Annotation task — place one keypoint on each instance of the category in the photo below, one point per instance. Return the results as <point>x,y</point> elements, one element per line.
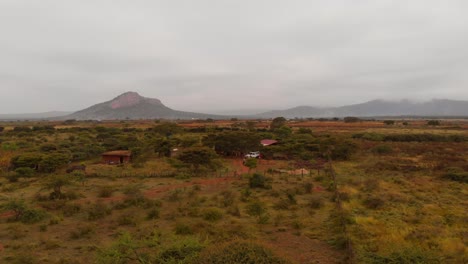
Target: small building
<point>117,157</point>
<point>268,142</point>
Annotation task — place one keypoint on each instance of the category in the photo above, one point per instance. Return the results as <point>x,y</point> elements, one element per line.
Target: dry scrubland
<point>369,192</point>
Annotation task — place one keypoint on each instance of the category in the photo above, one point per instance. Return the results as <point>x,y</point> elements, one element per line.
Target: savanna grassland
<point>328,192</point>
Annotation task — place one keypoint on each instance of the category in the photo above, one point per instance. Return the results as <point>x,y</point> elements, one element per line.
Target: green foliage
<point>56,183</point>
<point>197,156</point>
<point>456,174</point>
<point>167,129</point>
<point>382,149</point>
<point>26,160</point>
<point>258,181</point>
<point>23,213</point>
<point>212,214</point>
<point>277,123</point>
<point>251,163</point>
<point>239,252</point>
<point>98,211</point>
<point>433,123</point>
<point>351,119</point>
<point>256,208</point>
<point>183,229</point>
<point>51,162</point>
<point>150,249</point>
<point>25,172</point>
<point>283,132</point>
<point>233,143</point>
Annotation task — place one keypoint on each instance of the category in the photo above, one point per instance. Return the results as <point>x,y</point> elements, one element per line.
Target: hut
<point>268,142</point>
<point>117,157</point>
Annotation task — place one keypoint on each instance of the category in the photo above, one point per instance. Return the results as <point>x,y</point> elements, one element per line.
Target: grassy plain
<point>397,202</point>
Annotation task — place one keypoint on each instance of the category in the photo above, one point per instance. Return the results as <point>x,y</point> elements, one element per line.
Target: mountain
<point>377,108</point>
<point>45,115</point>
<point>131,105</point>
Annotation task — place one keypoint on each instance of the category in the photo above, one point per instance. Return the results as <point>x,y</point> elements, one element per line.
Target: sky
<point>220,55</point>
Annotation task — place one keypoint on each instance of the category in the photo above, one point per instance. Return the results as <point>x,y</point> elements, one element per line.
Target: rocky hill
<point>131,105</point>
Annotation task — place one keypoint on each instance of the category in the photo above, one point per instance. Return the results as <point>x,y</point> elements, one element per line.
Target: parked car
<point>253,154</point>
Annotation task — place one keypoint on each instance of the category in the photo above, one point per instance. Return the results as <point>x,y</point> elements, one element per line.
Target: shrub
<point>212,215</point>
<point>183,251</point>
<point>32,216</point>
<point>382,149</point>
<point>373,202</point>
<point>183,229</point>
<point>456,174</point>
<point>433,123</point>
<point>256,208</point>
<point>258,181</point>
<point>24,172</point>
<point>351,119</point>
<point>389,122</point>
<point>153,214</point>
<point>82,232</point>
<point>239,252</point>
<point>105,191</point>
<point>316,202</point>
<point>98,211</point>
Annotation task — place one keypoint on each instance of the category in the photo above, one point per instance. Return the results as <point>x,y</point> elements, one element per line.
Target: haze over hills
<point>24,116</point>
<point>131,105</point>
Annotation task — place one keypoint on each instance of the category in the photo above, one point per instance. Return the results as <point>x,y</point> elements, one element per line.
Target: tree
<point>389,122</point>
<point>167,129</point>
<point>351,119</point>
<point>433,123</point>
<point>27,160</point>
<point>277,123</point>
<point>17,206</point>
<point>163,148</point>
<point>50,163</point>
<point>233,143</point>
<point>283,132</point>
<point>55,183</point>
<point>197,156</point>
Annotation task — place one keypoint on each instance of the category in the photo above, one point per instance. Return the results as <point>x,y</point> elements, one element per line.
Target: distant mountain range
<point>378,108</point>
<point>131,105</point>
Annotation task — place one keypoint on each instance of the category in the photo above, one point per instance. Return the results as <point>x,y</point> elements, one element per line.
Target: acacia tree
<point>277,123</point>
<point>55,183</point>
<point>197,157</point>
<point>233,143</point>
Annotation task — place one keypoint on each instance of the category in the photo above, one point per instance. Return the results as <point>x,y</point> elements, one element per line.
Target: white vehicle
<point>253,155</point>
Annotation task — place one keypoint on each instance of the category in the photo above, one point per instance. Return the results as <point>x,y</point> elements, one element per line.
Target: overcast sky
<point>218,55</point>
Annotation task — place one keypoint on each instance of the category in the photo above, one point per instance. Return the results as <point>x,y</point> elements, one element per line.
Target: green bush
<point>456,174</point>
<point>25,172</point>
<point>32,216</point>
<point>382,149</point>
<point>258,181</point>
<point>212,214</point>
<point>183,229</point>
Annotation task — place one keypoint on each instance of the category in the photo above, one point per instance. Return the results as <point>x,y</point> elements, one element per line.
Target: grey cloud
<point>223,54</point>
